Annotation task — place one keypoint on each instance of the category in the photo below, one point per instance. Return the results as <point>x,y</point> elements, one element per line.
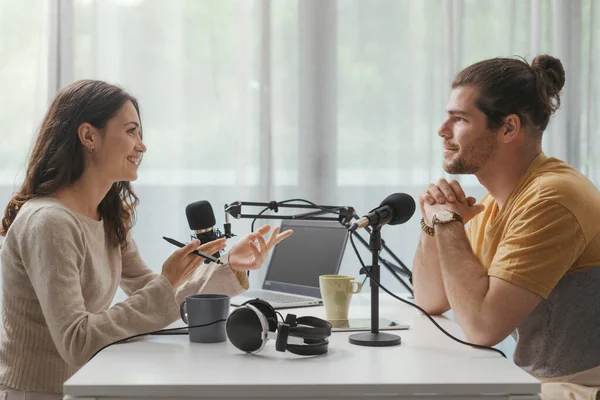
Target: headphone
<point>250,326</point>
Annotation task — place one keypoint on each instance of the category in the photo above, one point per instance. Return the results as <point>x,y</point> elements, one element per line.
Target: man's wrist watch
<point>445,217</point>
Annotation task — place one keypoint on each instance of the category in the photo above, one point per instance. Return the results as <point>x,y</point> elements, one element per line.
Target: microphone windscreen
<point>200,215</point>
<point>403,205</point>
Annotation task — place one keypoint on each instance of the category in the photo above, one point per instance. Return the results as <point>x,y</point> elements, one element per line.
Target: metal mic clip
<point>227,224</point>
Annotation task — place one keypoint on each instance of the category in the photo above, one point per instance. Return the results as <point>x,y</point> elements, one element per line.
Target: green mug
<point>336,292</point>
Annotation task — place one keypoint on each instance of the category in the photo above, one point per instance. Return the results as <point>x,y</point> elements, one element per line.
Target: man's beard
<point>470,158</point>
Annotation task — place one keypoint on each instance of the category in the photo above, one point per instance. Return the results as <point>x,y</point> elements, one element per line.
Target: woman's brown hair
<point>57,158</point>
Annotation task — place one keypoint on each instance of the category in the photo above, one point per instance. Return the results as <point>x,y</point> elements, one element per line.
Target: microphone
<point>395,209</point>
<point>201,219</point>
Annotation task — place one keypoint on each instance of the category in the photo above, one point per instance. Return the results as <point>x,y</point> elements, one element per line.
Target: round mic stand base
<point>379,339</point>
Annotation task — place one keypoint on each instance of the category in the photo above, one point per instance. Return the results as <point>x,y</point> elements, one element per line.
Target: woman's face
<point>118,150</point>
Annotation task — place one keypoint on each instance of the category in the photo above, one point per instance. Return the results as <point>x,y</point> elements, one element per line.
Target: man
<point>528,260</point>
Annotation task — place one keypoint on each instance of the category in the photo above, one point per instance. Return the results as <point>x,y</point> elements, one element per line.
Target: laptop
<point>292,279</point>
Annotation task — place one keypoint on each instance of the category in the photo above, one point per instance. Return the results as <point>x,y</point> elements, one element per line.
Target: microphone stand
<point>404,270</point>
<point>394,269</point>
<point>374,338</point>
<point>345,215</point>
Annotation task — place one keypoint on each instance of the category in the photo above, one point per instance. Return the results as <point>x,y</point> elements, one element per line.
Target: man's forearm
<point>428,286</point>
<point>464,277</point>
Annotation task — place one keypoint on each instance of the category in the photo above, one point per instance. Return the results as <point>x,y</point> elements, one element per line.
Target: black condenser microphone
<point>395,209</point>
<point>201,219</point>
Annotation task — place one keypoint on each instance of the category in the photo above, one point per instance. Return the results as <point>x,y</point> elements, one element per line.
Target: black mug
<point>201,309</point>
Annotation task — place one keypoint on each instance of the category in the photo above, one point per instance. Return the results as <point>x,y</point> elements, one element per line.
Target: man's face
<point>468,143</point>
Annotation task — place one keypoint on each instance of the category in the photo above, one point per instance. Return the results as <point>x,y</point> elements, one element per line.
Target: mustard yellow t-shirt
<point>545,239</point>
<point>549,226</point>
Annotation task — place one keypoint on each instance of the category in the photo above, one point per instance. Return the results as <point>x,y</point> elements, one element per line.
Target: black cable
<point>382,287</point>
<point>176,331</point>
<point>419,308</point>
<point>379,284</point>
<point>254,220</point>
<point>180,330</point>
<point>169,331</point>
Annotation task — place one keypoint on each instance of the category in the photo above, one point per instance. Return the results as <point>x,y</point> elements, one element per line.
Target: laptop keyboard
<point>275,297</point>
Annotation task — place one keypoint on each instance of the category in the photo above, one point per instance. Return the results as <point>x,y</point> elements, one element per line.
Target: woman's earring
<point>90,150</point>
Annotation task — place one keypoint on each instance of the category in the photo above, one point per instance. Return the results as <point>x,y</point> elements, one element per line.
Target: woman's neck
<point>84,195</point>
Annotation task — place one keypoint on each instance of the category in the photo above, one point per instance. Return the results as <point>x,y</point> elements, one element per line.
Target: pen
<point>196,252</point>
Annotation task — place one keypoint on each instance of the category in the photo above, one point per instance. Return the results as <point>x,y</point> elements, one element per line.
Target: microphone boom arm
<point>345,213</point>
<point>295,217</point>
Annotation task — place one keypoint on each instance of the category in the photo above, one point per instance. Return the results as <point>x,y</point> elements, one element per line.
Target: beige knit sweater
<point>59,277</point>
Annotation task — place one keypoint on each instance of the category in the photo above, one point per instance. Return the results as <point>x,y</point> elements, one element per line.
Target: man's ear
<point>511,128</point>
<point>85,132</point>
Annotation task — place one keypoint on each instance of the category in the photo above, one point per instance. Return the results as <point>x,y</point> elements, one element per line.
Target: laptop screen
<point>316,248</point>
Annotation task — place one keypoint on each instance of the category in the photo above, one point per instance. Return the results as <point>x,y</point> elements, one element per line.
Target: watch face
<point>444,216</point>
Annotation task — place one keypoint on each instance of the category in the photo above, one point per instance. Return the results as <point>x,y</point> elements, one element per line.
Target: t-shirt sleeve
<point>541,243</point>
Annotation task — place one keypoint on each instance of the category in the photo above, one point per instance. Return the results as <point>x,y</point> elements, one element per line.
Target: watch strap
<point>426,228</point>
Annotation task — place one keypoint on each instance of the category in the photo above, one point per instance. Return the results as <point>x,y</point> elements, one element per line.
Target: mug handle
<point>183,312</point>
<point>358,287</point>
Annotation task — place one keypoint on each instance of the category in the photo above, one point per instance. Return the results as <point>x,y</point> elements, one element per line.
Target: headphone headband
<point>317,328</point>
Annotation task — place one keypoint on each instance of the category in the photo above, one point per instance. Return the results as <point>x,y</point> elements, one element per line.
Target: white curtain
<point>337,102</point>
<point>23,84</point>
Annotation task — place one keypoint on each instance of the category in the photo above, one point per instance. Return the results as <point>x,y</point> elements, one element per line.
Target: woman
<point>68,246</point>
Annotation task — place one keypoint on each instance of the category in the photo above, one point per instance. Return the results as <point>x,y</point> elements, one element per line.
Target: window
<point>23,84</point>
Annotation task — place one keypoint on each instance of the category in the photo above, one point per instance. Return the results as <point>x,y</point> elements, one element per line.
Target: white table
<point>427,365</point>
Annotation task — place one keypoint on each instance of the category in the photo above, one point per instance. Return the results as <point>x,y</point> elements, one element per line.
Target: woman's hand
<point>251,251</point>
<point>182,263</point>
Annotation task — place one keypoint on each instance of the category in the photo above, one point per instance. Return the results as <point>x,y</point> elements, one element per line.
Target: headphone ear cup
<point>245,330</point>
<point>267,310</point>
